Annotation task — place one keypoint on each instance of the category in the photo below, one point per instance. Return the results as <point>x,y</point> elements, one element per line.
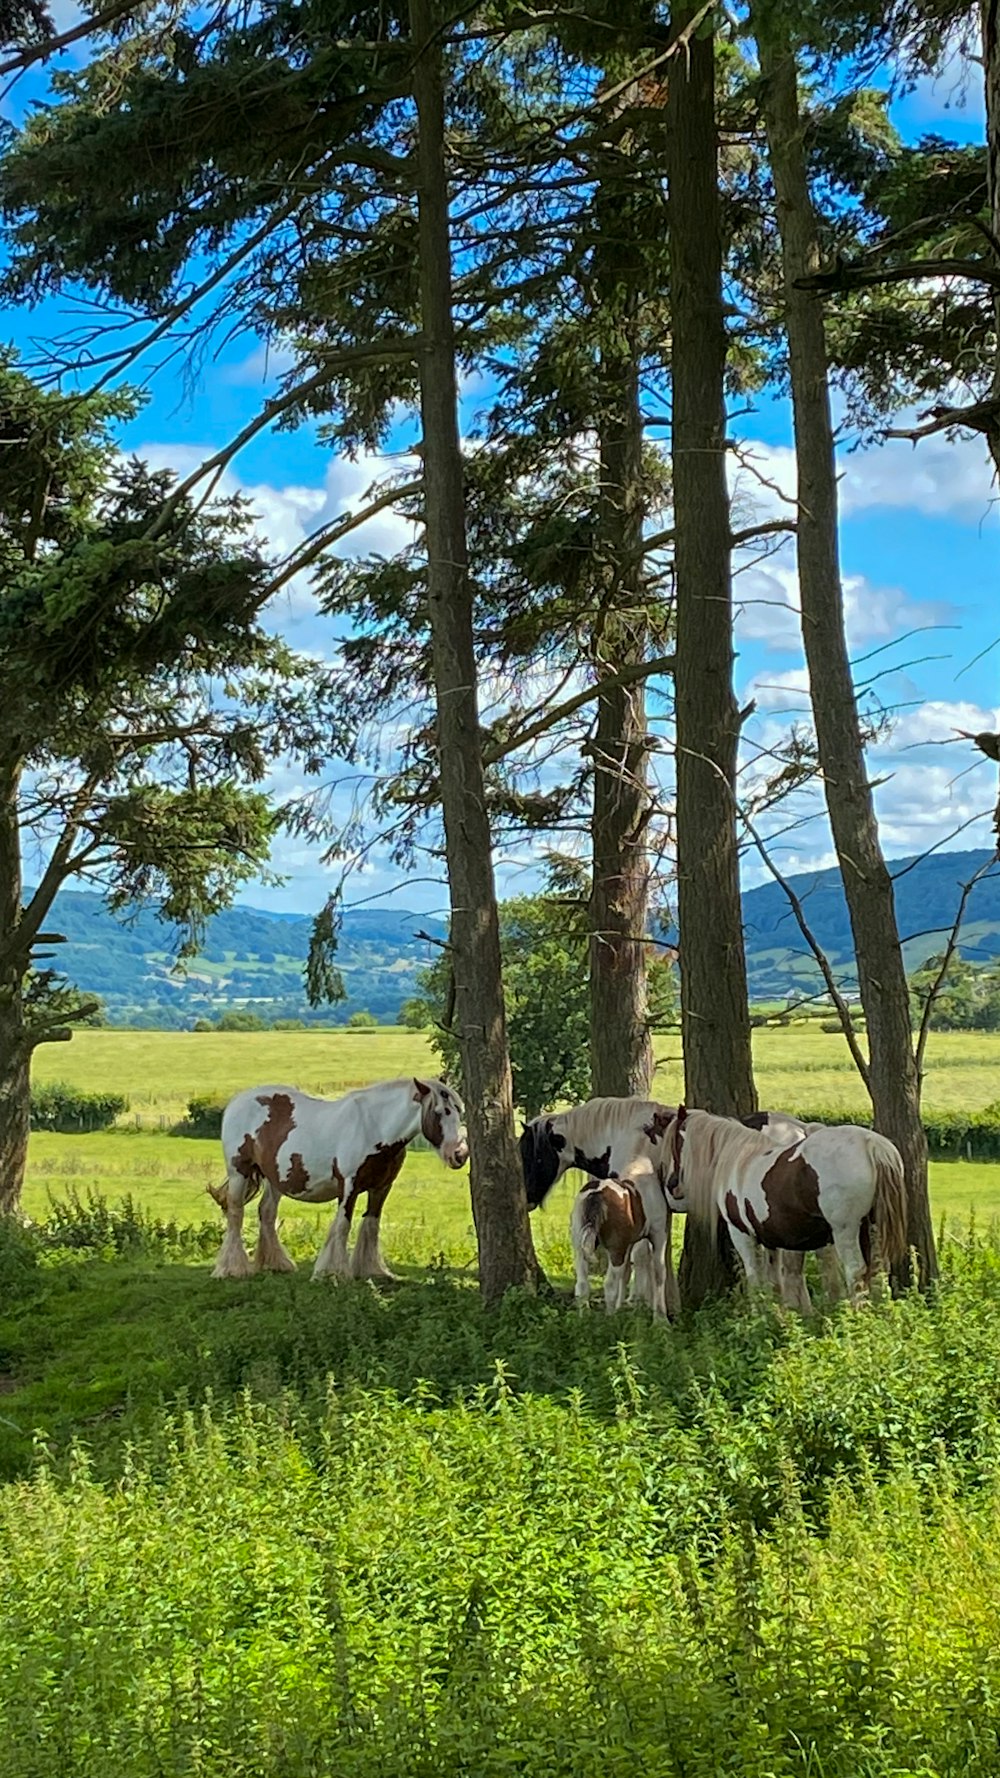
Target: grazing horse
<point>610,1214</point>
<point>835,1185</point>
<point>320,1150</point>
<point>603,1136</point>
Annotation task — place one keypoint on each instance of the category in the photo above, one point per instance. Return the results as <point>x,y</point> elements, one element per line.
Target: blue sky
<point>920,558</point>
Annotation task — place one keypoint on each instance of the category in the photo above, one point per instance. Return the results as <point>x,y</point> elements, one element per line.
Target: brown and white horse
<point>610,1214</point>
<point>318,1151</point>
<point>603,1136</point>
<point>838,1186</point>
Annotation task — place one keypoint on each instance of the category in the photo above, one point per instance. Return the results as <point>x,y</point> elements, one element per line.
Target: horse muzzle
<point>455,1155</point>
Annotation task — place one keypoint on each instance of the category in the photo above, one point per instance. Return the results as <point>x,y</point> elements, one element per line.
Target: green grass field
<point>159,1070</point>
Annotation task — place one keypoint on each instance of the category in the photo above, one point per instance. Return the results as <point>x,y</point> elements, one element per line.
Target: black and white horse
<point>320,1151</point>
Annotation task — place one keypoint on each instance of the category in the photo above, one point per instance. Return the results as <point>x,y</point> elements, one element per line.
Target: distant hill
<point>927,895</point>
<point>256,958</point>
<point>249,957</point>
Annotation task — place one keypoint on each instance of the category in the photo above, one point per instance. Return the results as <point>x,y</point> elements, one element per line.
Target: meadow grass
<point>168,1176</point>
<point>798,1066</point>
<point>268,1528</point>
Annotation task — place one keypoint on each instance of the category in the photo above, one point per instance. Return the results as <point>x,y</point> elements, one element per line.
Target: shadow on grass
<point>96,1343</point>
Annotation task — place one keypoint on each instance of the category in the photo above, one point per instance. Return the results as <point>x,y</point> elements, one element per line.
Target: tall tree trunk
<point>621,1052</point>
<point>894,1085</point>
<point>15,1084</point>
<point>990,22</point>
<point>506,1251</point>
<point>715,1017</point>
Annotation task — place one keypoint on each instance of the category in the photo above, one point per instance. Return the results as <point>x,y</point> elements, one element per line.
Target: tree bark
<point>15,1059</point>
<point>715,1017</point>
<point>895,1087</point>
<point>621,1051</point>
<point>499,1208</point>
<point>990,23</point>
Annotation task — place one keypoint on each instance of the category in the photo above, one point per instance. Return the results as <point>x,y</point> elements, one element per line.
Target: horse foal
<point>609,1214</point>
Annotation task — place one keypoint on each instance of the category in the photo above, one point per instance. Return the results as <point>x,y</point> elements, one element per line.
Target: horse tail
<point>591,1222</point>
<point>220,1193</point>
<point>889,1206</point>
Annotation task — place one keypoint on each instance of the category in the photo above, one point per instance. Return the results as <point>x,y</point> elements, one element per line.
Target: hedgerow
<point>951,1135</point>
<point>65,1108</point>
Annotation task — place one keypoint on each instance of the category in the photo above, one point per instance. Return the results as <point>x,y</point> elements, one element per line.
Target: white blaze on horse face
<point>454,1142</point>
<point>442,1117</point>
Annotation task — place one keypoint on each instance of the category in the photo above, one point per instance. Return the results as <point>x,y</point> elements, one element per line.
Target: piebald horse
<point>603,1136</point>
<point>837,1186</point>
<point>319,1151</point>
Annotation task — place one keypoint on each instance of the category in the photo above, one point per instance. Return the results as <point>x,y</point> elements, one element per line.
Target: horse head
<point>672,1156</point>
<point>541,1159</point>
<point>442,1120</point>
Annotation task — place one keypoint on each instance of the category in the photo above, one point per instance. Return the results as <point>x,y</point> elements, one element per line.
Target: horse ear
<point>682,1112</point>
<point>422,1088</point>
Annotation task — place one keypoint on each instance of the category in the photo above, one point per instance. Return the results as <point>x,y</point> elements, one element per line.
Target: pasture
<point>267,1529</point>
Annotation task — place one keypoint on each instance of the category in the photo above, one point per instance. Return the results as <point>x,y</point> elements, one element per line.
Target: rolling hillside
<point>253,957</point>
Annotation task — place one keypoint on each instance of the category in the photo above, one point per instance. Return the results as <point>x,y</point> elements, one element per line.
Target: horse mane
<point>707,1143</point>
<point>591,1126</point>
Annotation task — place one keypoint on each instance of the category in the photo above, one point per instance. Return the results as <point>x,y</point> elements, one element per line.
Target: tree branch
<point>980,416</point>
<point>842,1008</point>
<point>949,951</point>
<point>51,46</point>
<point>558,712</point>
<point>857,277</point>
<point>18,943</point>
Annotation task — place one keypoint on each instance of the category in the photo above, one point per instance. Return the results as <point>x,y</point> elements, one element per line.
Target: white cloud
<point>936,477</point>
<point>767,608</point>
<point>957,86</point>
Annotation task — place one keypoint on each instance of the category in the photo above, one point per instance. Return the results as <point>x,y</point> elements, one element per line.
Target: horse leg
<point>852,1258</point>
<point>616,1284</point>
<point>582,1263</point>
<point>793,1290</point>
<point>642,1280</point>
<point>270,1255</point>
<point>367,1261</point>
<point>754,1259</point>
<point>830,1275</point>
<point>671,1288</point>
<point>234,1260</point>
<point>658,1280</point>
<point>332,1260</point>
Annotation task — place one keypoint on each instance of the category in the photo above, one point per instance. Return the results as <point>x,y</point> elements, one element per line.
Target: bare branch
<point>979,416</point>
<point>949,951</point>
<point>842,1008</point>
<point>559,712</point>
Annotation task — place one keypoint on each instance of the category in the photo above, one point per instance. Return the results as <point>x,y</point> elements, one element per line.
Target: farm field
<point>797,1070</point>
<point>159,1070</point>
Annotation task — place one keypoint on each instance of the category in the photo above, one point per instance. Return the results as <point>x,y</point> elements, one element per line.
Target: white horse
<point>833,1186</point>
<point>611,1214</point>
<point>320,1150</point>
